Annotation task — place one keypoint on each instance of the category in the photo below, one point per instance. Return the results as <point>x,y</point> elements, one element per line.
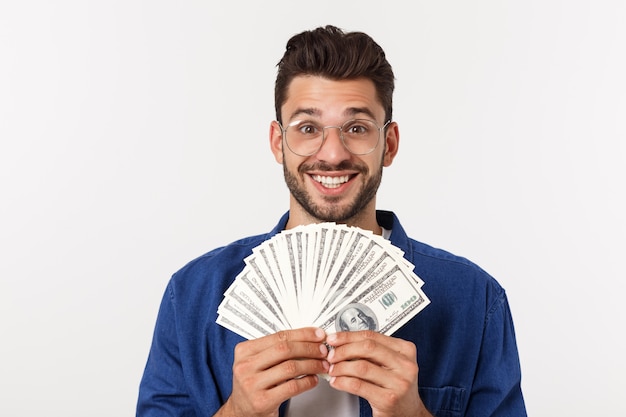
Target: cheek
<point>375,162</point>
<point>292,162</point>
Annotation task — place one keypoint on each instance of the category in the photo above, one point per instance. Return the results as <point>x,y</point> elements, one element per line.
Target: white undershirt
<point>323,400</point>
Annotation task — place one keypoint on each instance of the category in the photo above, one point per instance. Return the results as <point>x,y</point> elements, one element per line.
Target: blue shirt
<point>466,348</point>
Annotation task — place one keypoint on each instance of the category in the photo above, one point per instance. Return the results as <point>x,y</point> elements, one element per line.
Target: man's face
<point>333,184</point>
<point>354,319</point>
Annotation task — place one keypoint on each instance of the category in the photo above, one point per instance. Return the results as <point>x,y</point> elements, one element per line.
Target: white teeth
<point>331,182</point>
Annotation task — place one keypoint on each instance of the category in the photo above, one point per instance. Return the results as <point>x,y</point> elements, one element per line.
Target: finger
<point>400,399</point>
<point>382,369</point>
<point>384,362</point>
<point>380,386</point>
<point>357,386</point>
<point>280,346</point>
<point>247,363</point>
<point>294,369</point>
<point>276,381</point>
<point>253,395</point>
<point>288,389</point>
<point>376,369</point>
<point>342,338</point>
<point>362,370</point>
<point>305,334</point>
<point>383,350</point>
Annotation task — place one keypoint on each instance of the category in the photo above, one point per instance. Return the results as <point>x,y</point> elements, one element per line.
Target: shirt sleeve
<point>497,386</point>
<point>163,389</point>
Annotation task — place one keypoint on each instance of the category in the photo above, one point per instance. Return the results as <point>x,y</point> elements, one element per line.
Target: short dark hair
<point>334,54</point>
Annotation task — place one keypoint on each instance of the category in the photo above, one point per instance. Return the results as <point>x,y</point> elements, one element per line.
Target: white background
<point>134,137</point>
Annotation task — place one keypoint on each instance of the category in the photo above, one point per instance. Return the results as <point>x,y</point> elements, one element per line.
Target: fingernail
<point>331,338</point>
<point>323,349</point>
<point>331,355</point>
<point>320,333</point>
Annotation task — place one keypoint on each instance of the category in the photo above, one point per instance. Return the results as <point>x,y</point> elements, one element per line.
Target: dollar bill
<point>328,275</point>
<point>384,306</point>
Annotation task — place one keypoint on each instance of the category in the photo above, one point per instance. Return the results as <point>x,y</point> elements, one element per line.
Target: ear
<point>392,141</point>
<point>276,141</point>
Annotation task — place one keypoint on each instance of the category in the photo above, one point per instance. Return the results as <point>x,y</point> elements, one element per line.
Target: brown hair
<point>332,53</point>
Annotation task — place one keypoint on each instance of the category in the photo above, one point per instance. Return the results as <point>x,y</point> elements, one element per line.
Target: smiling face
<point>333,184</point>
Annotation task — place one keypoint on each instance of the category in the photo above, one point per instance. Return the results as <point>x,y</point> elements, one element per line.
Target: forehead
<point>331,99</point>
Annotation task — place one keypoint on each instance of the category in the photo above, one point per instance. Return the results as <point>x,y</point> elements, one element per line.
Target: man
<point>333,135</point>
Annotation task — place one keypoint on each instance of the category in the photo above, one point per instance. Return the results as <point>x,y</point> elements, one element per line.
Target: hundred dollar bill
<point>286,247</point>
<point>313,248</point>
<point>339,250</point>
<point>264,282</point>
<point>344,250</point>
<point>243,302</point>
<point>384,306</point>
<point>244,328</point>
<point>361,271</point>
<point>268,252</point>
<point>239,320</point>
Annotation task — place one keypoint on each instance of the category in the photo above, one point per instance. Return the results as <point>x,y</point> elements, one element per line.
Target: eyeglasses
<point>359,136</point>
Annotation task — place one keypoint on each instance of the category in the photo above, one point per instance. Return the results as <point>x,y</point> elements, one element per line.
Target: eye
<point>358,128</point>
<point>307,129</point>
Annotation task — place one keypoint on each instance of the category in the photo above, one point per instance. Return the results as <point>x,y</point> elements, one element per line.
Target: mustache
<point>323,166</point>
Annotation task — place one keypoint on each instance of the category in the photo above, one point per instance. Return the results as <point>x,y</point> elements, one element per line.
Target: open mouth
<point>331,182</point>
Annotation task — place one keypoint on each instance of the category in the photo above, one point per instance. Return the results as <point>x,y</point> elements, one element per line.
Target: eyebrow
<point>353,111</point>
<point>316,112</point>
<point>310,111</point>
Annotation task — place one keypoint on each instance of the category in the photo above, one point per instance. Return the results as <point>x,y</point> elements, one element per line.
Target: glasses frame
<point>343,141</point>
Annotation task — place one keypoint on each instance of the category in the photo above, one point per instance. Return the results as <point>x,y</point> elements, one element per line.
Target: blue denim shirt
<point>467,353</point>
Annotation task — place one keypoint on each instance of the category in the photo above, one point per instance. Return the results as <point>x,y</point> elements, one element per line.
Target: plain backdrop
<point>134,137</point>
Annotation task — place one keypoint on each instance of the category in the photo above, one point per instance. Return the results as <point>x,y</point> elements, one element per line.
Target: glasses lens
<point>360,136</point>
<point>304,138</point>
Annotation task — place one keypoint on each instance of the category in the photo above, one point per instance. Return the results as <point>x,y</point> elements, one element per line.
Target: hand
<point>269,370</point>
<point>379,368</point>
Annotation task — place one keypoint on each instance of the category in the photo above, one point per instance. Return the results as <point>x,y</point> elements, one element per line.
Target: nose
<point>333,149</point>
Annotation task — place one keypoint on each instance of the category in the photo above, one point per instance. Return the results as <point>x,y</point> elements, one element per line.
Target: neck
<point>365,219</point>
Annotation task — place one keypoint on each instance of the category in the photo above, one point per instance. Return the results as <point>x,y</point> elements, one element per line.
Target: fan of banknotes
<point>327,275</point>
